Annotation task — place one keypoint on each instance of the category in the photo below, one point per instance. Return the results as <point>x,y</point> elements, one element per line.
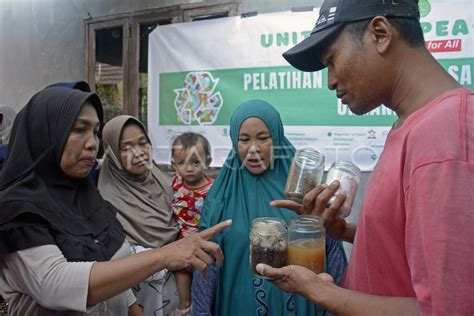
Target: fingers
<point>291,205</point>
<point>314,202</point>
<point>270,272</point>
<point>197,256</point>
<point>323,198</point>
<point>214,230</point>
<point>198,264</point>
<point>332,212</point>
<point>211,247</point>
<point>204,256</point>
<point>309,201</point>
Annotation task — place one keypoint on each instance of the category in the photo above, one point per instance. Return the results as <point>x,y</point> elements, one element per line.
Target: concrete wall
<point>42,41</point>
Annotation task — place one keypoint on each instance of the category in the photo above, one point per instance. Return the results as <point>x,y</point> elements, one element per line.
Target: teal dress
<point>241,196</point>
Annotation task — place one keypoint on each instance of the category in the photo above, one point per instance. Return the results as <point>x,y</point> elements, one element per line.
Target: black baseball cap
<point>333,16</point>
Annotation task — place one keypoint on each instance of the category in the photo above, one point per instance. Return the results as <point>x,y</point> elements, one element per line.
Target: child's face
<point>191,164</point>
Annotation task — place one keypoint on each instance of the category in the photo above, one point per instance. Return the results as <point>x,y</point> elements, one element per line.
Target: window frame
<point>130,23</point>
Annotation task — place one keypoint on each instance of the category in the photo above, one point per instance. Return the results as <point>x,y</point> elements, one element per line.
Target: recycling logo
<point>198,101</point>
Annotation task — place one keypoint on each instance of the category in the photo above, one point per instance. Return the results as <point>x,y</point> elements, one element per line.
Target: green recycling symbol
<point>425,8</point>
<point>198,100</point>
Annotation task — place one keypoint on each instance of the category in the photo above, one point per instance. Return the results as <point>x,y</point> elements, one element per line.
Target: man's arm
<point>321,290</point>
<point>341,301</point>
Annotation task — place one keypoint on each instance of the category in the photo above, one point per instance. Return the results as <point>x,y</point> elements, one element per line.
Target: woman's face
<point>255,145</point>
<point>135,150</point>
<point>80,152</point>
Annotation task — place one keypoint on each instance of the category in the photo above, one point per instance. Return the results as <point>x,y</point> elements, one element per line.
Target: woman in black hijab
<point>57,233</point>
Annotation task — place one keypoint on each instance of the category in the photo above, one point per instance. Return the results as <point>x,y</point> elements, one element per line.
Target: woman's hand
<point>315,202</point>
<point>194,250</point>
<point>109,278</point>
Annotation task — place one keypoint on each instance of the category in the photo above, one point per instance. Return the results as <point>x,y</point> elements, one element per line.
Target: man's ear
<point>382,33</point>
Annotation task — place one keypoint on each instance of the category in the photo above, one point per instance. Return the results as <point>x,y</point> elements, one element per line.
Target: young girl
<point>191,156</point>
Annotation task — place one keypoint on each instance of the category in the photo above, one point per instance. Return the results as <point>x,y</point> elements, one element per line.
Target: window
<point>107,64</point>
<point>117,53</point>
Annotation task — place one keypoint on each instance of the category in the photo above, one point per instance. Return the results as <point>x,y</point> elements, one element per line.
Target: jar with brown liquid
<point>307,242</point>
<point>268,243</point>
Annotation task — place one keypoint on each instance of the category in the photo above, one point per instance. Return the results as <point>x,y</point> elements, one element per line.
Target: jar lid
<point>307,223</point>
<point>347,166</point>
<point>268,225</point>
<point>309,158</point>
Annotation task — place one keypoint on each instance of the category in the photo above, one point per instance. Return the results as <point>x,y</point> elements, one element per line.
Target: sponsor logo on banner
<point>425,8</point>
<point>454,29</point>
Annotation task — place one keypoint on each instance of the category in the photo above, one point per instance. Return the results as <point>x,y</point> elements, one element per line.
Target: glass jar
<point>305,174</point>
<point>268,243</point>
<point>307,242</point>
<point>348,175</point>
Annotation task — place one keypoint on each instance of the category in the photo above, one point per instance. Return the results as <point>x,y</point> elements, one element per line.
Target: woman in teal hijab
<point>243,192</point>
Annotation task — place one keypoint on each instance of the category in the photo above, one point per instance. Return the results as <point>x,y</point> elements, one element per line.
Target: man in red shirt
<point>413,248</point>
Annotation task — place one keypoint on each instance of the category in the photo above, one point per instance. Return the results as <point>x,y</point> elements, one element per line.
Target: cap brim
<point>305,56</point>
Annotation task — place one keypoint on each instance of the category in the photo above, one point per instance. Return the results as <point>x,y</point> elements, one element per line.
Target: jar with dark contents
<point>305,174</point>
<point>348,175</point>
<point>268,243</point>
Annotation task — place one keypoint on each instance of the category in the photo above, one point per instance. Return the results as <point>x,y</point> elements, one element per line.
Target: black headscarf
<point>39,203</point>
<point>78,85</point>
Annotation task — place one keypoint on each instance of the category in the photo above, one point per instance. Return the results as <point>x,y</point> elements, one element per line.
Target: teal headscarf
<point>242,196</point>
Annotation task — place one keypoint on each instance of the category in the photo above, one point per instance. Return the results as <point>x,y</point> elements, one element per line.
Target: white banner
<point>199,72</point>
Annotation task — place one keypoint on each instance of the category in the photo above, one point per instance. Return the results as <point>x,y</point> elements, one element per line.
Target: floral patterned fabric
<point>187,204</point>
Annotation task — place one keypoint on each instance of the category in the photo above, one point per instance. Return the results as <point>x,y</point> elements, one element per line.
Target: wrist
<point>349,233</point>
<point>325,294</point>
<point>161,258</point>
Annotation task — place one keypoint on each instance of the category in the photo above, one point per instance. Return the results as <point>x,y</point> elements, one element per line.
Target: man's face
<point>353,72</point>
